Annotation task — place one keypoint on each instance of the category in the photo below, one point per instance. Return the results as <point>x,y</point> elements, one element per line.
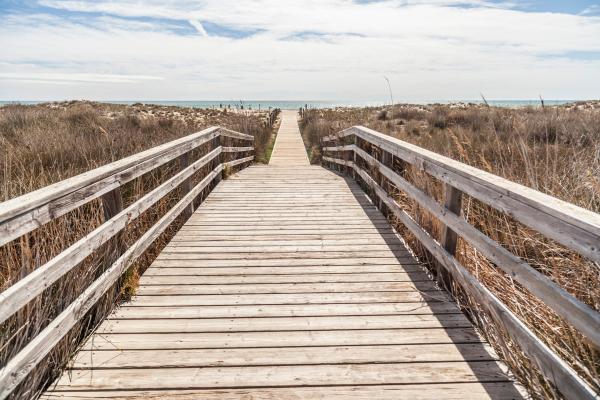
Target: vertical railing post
<point>186,186</point>
<point>112,204</point>
<point>221,157</point>
<point>385,160</point>
<point>449,238</point>
<point>355,142</point>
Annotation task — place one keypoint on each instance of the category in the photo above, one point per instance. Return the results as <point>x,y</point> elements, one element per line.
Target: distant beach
<point>296,104</point>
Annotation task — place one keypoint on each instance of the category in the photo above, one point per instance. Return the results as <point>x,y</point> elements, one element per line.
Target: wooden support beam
<point>449,238</point>
<point>112,204</point>
<point>186,186</point>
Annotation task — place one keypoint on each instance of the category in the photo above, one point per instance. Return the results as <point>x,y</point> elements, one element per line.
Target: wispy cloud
<point>591,10</point>
<point>199,27</point>
<point>76,77</point>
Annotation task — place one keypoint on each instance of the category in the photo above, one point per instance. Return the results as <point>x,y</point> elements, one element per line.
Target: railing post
<point>385,160</point>
<point>449,238</point>
<point>186,186</point>
<point>221,158</point>
<point>112,204</point>
<point>355,142</point>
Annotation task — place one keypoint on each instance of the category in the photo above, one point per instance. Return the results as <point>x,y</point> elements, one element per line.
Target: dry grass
<point>555,150</point>
<point>48,143</point>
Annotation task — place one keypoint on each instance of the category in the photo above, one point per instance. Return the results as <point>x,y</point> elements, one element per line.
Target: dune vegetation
<point>44,144</point>
<point>555,150</point>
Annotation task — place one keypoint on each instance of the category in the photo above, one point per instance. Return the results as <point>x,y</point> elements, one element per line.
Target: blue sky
<point>306,49</point>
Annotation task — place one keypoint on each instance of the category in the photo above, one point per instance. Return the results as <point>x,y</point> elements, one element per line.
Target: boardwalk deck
<point>286,283</point>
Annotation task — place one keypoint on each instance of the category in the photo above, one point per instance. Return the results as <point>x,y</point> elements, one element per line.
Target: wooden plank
<point>449,391</point>
<point>309,238</point>
<point>281,324</point>
<point>281,356</point>
<point>220,340</point>
<point>351,287</point>
<point>168,254</point>
<point>149,279</point>
<point>283,310</point>
<point>235,377</point>
<point>288,262</point>
<point>409,270</point>
<point>202,239</point>
<point>285,247</point>
<point>290,298</point>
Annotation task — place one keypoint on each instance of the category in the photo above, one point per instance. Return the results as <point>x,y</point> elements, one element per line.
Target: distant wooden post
<point>186,186</point>
<point>112,204</point>
<point>449,238</point>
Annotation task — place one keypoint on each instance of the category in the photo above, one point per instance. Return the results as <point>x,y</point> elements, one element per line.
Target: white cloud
<point>340,50</point>
<point>199,27</point>
<point>592,10</point>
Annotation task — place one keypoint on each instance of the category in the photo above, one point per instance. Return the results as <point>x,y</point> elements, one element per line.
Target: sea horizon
<point>296,104</point>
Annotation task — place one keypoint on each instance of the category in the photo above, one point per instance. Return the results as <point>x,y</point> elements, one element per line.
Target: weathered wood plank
<point>150,279</point>
<point>352,287</point>
<point>291,298</point>
<point>269,376</point>
<point>219,340</point>
<point>281,356</point>
<point>283,310</point>
<point>449,391</point>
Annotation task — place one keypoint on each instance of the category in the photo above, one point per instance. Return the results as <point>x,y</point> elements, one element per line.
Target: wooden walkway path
<point>286,283</point>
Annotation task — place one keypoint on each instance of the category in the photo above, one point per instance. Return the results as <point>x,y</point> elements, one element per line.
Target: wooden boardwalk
<point>286,283</point>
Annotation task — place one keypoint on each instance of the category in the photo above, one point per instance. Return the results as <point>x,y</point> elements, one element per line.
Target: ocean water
<point>296,104</point>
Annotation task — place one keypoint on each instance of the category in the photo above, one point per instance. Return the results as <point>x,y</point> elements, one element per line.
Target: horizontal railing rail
<point>26,213</point>
<point>572,226</point>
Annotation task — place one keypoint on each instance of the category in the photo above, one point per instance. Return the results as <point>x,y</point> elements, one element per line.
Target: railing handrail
<point>578,228</point>
<point>535,209</point>
<point>27,212</point>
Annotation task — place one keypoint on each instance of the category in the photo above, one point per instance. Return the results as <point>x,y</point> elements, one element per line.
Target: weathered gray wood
<point>585,319</point>
<point>284,310</point>
<point>234,134</point>
<point>448,391</point>
<point>112,205</point>
<point>296,375</point>
<point>186,186</point>
<point>572,226</point>
<point>25,290</point>
<point>284,356</point>
<point>449,238</point>
<point>551,366</point>
<point>17,368</point>
<point>237,149</point>
<point>29,202</point>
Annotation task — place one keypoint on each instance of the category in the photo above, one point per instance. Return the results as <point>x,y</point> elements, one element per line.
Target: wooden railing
<point>26,213</point>
<point>371,156</point>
